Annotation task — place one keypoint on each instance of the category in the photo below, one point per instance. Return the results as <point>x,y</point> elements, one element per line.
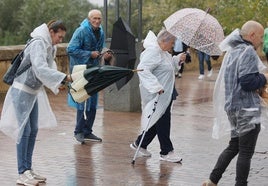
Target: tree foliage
<point>29,14</point>
<point>17,23</point>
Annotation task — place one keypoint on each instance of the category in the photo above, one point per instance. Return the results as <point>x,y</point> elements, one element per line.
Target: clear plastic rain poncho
<point>29,87</point>
<point>157,74</point>
<point>240,59</point>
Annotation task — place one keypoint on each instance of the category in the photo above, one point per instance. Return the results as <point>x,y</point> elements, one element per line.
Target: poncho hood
<point>150,40</point>
<point>232,41</point>
<point>42,32</point>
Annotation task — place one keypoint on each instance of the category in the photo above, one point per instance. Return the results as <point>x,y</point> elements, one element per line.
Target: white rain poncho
<point>238,55</point>
<point>28,87</point>
<point>157,74</point>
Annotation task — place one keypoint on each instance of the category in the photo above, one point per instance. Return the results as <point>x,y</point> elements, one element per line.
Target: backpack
<point>12,71</point>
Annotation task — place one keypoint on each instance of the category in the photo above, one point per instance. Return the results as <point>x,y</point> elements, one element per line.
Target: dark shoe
<point>92,137</point>
<point>80,137</point>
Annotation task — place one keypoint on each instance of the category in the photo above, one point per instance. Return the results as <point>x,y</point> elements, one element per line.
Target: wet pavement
<point>65,162</point>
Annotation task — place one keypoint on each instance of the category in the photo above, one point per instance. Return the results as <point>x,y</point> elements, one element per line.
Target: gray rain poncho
<point>157,74</point>
<point>29,87</point>
<point>240,59</point>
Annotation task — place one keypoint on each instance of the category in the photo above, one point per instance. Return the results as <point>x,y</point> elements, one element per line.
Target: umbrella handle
<point>71,88</point>
<point>137,70</point>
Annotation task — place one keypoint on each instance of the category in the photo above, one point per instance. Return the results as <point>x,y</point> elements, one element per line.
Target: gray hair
<point>91,12</point>
<point>165,36</point>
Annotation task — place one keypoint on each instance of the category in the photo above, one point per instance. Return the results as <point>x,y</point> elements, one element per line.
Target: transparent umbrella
<point>197,29</point>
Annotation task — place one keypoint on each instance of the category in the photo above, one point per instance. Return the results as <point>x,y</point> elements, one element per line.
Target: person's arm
<point>75,46</point>
<point>252,82</point>
<point>177,60</point>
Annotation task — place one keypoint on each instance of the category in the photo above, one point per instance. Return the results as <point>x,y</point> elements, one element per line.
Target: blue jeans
<point>26,146</point>
<point>244,146</point>
<point>201,57</point>
<point>85,125</point>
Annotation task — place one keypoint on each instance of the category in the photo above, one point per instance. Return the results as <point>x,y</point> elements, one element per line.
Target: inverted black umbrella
<point>88,80</point>
<point>123,46</point>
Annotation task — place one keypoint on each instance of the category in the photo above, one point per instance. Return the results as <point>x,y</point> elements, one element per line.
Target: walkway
<point>67,163</point>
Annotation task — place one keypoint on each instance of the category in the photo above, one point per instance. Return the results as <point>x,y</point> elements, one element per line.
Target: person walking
<point>26,103</point>
<point>239,79</point>
<point>201,58</point>
<point>157,79</point>
<point>85,47</point>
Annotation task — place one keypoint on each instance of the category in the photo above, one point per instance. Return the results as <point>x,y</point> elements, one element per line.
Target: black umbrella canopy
<point>96,78</point>
<point>123,45</point>
<point>100,77</point>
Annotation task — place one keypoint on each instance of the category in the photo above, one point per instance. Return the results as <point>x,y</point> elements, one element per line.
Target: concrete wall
<point>126,99</point>
<point>7,53</point>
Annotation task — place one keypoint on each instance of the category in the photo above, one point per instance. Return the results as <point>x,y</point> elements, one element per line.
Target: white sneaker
<point>179,76</point>
<point>171,157</point>
<point>209,183</point>
<point>142,152</point>
<point>38,177</point>
<point>27,179</point>
<point>201,77</point>
<point>210,73</point>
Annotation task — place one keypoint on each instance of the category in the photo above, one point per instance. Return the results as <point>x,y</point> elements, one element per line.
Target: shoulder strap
<point>30,64</point>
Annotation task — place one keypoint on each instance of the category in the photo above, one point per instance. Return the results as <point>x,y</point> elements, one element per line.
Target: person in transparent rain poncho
<point>26,107</point>
<point>237,104</point>
<point>157,84</point>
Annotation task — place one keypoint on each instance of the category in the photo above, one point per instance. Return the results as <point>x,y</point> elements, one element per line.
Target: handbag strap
<point>28,65</point>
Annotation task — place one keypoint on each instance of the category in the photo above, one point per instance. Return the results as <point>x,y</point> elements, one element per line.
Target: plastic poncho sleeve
<point>49,76</point>
<point>150,59</point>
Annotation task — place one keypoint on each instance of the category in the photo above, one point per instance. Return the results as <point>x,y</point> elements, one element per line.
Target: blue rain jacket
<point>82,43</point>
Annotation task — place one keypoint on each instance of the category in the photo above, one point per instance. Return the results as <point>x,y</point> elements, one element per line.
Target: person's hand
<point>183,57</point>
<point>95,54</point>
<point>62,87</point>
<point>161,91</point>
<point>107,56</point>
<point>266,76</point>
<point>69,78</point>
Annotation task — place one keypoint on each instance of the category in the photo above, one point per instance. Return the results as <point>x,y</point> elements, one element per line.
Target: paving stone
<point>66,162</point>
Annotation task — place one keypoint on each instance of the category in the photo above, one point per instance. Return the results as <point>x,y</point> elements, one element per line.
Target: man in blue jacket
<point>85,48</point>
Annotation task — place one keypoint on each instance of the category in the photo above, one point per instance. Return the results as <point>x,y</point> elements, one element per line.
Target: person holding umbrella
<point>26,107</point>
<point>85,47</point>
<point>157,87</point>
<point>236,88</point>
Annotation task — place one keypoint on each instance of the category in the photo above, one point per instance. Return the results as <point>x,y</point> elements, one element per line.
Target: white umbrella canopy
<point>196,28</point>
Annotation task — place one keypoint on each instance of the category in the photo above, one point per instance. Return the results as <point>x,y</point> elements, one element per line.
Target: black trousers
<point>244,146</point>
<point>162,129</point>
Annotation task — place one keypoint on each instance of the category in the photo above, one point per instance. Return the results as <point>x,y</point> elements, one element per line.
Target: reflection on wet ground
<point>67,163</point>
